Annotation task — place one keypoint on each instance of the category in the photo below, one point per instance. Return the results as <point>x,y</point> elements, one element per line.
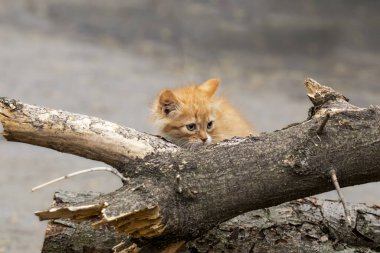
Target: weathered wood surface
<point>77,134</point>
<point>63,235</point>
<point>305,225</point>
<point>174,193</point>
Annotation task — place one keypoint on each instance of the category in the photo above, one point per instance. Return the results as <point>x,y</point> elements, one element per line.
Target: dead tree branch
<point>307,225</point>
<point>77,134</point>
<point>175,193</point>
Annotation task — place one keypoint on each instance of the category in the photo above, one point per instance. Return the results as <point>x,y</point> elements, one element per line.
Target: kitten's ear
<point>210,86</point>
<point>168,102</point>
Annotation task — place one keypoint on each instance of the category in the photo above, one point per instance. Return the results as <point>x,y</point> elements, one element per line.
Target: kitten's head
<point>186,116</point>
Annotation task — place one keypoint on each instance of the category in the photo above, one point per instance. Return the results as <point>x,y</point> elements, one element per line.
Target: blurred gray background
<point>111,58</point>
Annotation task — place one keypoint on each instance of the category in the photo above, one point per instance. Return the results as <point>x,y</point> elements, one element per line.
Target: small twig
<point>323,124</point>
<point>341,197</point>
<point>112,170</point>
<point>138,187</point>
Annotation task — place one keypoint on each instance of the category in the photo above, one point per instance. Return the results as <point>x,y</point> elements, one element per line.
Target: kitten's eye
<point>210,124</point>
<point>191,127</point>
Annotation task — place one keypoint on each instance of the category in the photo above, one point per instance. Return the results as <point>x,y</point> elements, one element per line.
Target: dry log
<point>305,225</point>
<point>175,194</point>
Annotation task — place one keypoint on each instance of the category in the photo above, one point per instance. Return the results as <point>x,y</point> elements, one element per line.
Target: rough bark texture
<point>63,235</point>
<point>173,193</point>
<point>306,225</point>
<point>77,134</point>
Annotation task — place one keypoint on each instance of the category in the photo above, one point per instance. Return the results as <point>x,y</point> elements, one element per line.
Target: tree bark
<point>175,194</point>
<point>63,235</point>
<point>304,225</point>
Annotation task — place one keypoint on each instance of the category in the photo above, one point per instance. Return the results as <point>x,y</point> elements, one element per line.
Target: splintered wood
<point>144,223</point>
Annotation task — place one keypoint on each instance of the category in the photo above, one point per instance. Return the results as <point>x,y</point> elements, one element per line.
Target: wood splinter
<point>341,197</point>
<point>178,181</point>
<point>323,124</point>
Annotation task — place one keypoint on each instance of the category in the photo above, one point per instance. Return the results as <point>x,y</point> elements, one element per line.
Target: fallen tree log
<point>174,194</point>
<point>305,225</point>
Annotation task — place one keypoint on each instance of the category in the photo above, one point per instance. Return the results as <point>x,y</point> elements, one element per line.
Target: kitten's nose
<point>204,138</point>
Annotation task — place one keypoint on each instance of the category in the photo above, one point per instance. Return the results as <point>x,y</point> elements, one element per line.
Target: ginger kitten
<point>191,116</point>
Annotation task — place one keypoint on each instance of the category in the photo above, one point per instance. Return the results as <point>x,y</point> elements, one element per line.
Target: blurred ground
<point>110,58</point>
